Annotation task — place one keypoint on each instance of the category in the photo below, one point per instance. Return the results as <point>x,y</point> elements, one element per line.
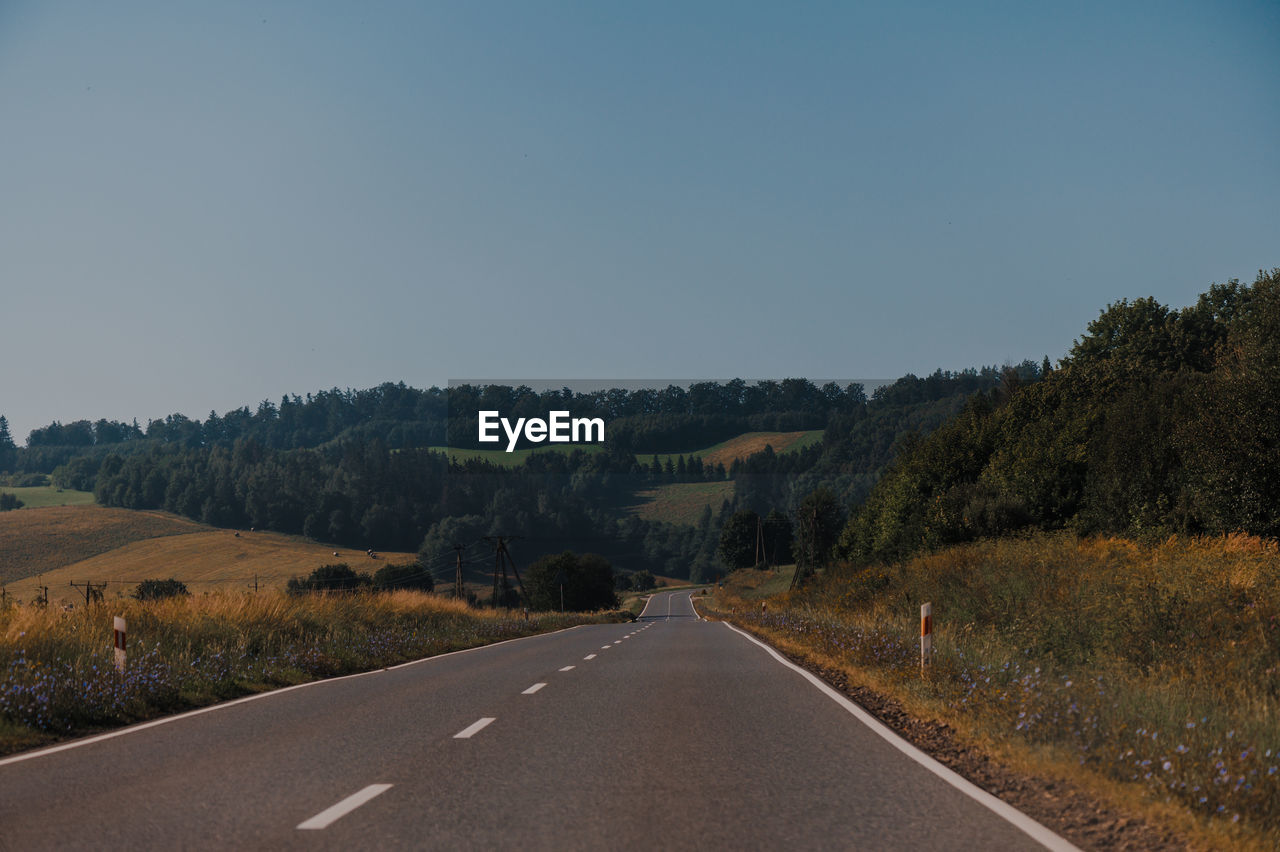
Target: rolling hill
<point>681,502</point>
<point>742,446</point>
<point>57,546</point>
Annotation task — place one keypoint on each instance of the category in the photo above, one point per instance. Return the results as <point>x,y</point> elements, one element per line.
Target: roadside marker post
<point>926,635</point>
<point>119,640</point>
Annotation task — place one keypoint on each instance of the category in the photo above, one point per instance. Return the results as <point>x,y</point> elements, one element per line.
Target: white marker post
<point>926,635</point>
<point>119,631</point>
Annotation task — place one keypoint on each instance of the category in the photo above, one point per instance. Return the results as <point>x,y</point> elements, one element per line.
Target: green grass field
<point>681,502</point>
<point>516,457</point>
<point>43,496</point>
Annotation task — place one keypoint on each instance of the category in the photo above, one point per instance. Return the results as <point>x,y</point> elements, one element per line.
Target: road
<point>669,733</point>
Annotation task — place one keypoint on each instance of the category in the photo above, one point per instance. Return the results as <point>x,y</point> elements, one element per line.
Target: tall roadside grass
<point>57,674</point>
<point>1152,665</point>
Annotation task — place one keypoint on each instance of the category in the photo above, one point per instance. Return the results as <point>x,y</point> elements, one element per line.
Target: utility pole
<point>499,566</point>
<point>502,557</point>
<point>92,591</point>
<point>756,564</point>
<point>458,590</point>
<point>514,570</point>
<point>811,546</point>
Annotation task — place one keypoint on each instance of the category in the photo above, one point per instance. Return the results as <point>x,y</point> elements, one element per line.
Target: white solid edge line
<point>531,690</point>
<point>694,608</point>
<point>646,604</point>
<point>474,728</point>
<point>346,806</point>
<point>1008,812</point>
<point>155,723</point>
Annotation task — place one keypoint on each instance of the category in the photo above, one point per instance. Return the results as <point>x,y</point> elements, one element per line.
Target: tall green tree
<point>738,540</point>
<point>818,523</point>
<point>585,580</point>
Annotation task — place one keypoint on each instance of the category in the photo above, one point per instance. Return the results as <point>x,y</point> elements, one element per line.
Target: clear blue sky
<point>209,204</point>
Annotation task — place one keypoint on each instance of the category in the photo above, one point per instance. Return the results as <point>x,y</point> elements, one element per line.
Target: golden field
<point>57,546</point>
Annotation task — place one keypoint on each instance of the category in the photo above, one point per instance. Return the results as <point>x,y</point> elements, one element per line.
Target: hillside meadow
<point>121,547</point>
<point>39,540</point>
<point>681,502</point>
<point>742,446</point>
<point>43,496</point>
<point>1149,671</point>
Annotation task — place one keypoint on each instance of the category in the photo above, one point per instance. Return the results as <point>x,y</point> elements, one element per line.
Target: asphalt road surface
<point>670,733</point>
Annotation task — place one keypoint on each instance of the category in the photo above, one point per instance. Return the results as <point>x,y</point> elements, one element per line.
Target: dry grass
<point>210,561</point>
<point>56,675</point>
<point>55,547</point>
<point>1150,667</point>
<point>750,443</point>
<point>35,540</point>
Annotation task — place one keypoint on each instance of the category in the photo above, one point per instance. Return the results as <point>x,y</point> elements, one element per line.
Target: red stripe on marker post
<point>119,641</point>
<point>926,635</point>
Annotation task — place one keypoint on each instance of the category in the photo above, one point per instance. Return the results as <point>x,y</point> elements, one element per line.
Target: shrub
<point>586,579</point>
<point>329,578</point>
<point>154,590</point>
<point>411,575</point>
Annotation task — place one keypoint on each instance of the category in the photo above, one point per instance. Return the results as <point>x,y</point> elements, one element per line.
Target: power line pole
<point>519,583</point>
<point>756,564</point>
<point>92,591</point>
<point>502,557</point>
<point>498,566</point>
<point>458,590</point>
<point>811,545</point>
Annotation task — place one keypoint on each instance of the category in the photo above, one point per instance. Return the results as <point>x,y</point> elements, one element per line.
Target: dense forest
<point>1157,422</point>
<point>357,468</point>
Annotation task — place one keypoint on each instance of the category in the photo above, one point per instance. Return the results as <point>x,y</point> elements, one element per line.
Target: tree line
<point>1158,421</point>
<point>357,488</point>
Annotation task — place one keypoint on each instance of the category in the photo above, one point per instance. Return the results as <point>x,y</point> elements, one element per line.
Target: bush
<point>642,581</point>
<point>410,575</point>
<point>10,501</point>
<point>329,578</point>
<point>587,582</point>
<point>154,590</point>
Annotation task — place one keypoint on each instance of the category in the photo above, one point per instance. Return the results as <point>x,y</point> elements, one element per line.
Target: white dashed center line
<point>531,690</point>
<point>605,647</point>
<point>589,657</point>
<point>473,729</point>
<point>567,669</point>
<point>332,814</point>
